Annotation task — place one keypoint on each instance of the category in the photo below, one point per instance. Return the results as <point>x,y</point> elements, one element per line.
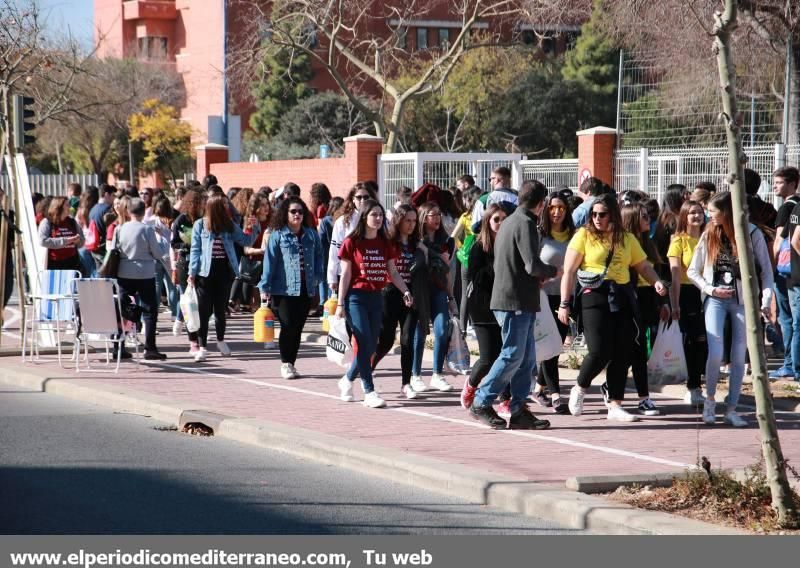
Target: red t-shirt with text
<point>370,259</point>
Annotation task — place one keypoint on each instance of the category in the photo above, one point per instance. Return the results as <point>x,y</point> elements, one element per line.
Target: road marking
<point>469,423</point>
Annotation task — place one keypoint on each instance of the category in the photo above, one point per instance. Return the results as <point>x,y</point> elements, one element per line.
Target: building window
<point>153,48</point>
<point>401,37</point>
<point>422,38</point>
<point>444,38</point>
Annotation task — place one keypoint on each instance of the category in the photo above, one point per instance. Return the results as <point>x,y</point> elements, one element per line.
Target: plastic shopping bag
<point>190,309</point>
<point>457,349</point>
<point>338,350</point>
<point>545,332</point>
<point>667,363</point>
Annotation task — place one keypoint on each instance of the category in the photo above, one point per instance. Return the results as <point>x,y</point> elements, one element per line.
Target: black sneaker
<point>560,406</point>
<point>488,416</point>
<point>604,390</point>
<point>154,356</point>
<point>125,355</point>
<point>542,399</point>
<point>525,420</point>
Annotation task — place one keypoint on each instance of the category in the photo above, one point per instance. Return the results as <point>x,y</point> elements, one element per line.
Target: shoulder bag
<point>591,280</point>
<point>110,267</point>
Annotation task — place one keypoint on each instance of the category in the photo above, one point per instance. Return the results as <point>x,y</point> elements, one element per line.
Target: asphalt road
<point>73,468</point>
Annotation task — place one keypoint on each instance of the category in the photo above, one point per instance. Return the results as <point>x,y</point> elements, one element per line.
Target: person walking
<point>368,263</point>
<point>715,271</point>
<point>515,300</point>
<point>687,307</point>
<point>605,254</point>
<point>191,209</point>
<point>213,265</point>
<point>343,226</point>
<point>161,221</point>
<point>292,272</point>
<point>140,248</point>
<point>61,236</point>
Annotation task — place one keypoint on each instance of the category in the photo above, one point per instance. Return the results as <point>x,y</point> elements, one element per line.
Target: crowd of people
<point>611,267</point>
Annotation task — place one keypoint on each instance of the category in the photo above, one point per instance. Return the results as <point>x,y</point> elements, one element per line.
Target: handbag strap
<point>609,257</point>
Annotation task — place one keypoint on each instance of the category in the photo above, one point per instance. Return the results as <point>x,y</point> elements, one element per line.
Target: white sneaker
<point>576,396</point>
<point>693,397</point>
<point>373,400</point>
<point>177,327</point>
<point>287,371</point>
<point>735,420</point>
<point>709,408</point>
<point>224,350</point>
<point>346,389</point>
<point>200,355</point>
<point>616,412</point>
<point>409,392</point>
<point>439,383</point>
<point>418,384</point>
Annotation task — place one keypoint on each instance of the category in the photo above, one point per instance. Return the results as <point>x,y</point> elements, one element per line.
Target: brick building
<point>189,35</point>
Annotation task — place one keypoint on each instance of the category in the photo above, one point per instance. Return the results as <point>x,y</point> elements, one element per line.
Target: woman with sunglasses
<point>605,253</point>
<point>438,247</point>
<point>368,259</point>
<point>714,269</point>
<point>636,221</point>
<point>344,225</point>
<point>555,231</point>
<point>291,274</point>
<point>480,281</point>
<point>687,306</point>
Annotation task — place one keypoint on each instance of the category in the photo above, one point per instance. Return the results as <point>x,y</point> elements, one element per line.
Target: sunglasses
<point>599,214</point>
<point>562,194</point>
<point>361,197</point>
<point>433,215</point>
<point>558,208</point>
<point>295,211</point>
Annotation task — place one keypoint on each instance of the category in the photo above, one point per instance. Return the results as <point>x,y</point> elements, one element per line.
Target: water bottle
<point>264,327</point>
<point>328,310</point>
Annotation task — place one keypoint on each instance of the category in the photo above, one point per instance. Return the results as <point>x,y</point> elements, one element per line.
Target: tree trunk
<point>390,142</point>
<point>793,133</point>
<point>782,501</point>
<point>58,158</point>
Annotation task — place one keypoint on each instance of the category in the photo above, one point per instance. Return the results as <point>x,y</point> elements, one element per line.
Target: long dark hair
<point>617,231</point>
<point>349,202</point>
<point>281,217</point>
<point>192,204</point>
<point>545,225</point>
<point>683,218</point>
<point>440,235</point>
<point>631,219</point>
<point>217,219</point>
<point>670,208</point>
<point>486,237</point>
<point>361,228</point>
<point>320,195</point>
<point>400,213</point>
<point>714,232</point>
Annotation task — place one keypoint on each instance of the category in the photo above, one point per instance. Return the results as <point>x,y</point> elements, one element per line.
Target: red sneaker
<point>467,395</point>
<point>504,409</point>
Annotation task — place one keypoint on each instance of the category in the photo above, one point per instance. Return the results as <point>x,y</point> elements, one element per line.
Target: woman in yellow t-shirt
<point>607,311</point>
<point>687,307</point>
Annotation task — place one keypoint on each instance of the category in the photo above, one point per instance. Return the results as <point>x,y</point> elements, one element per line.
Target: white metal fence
<point>443,169</point>
<point>52,184</point>
<point>653,170</point>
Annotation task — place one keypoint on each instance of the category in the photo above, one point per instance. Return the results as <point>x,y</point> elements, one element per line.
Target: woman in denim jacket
<point>292,272</point>
<point>213,264</point>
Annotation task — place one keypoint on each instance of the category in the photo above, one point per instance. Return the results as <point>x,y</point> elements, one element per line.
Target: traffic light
<point>23,120</point>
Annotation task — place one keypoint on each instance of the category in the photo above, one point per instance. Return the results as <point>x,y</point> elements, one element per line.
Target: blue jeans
<point>324,293</point>
<point>784,318</point>
<point>173,295</point>
<point>516,363</point>
<point>440,314</point>
<point>794,304</point>
<point>88,264</point>
<point>364,314</point>
<point>716,310</point>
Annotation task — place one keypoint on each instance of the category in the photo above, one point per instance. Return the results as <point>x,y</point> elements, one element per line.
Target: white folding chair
<point>50,308</point>
<point>99,319</point>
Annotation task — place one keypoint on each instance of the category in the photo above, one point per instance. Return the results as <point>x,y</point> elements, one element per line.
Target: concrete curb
<point>573,510</point>
<point>609,483</point>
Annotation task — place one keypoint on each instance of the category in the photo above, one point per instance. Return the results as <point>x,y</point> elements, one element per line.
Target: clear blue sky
<point>78,15</point>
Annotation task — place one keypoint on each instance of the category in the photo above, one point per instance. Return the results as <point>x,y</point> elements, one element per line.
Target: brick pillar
<point>362,151</point>
<point>596,154</point>
<point>209,154</point>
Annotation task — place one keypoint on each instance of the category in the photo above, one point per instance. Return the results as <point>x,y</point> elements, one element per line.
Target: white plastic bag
<point>190,309</point>
<point>667,363</point>
<point>338,350</point>
<point>457,350</point>
<point>545,332</point>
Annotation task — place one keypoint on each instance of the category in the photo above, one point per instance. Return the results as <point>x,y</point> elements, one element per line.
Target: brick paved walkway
<point>249,385</point>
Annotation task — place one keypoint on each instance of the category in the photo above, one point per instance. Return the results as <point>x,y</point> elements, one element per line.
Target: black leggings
<point>292,312</point>
<point>396,313</point>
<point>610,337</point>
<point>548,370</point>
<point>648,308</point>
<point>212,297</point>
<point>490,342</point>
<point>693,326</point>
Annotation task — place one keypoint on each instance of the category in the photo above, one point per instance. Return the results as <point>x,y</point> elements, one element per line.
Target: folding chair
<point>98,309</point>
<point>50,307</point>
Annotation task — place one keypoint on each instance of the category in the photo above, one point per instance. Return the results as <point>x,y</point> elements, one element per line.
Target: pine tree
<point>283,83</point>
<point>594,61</point>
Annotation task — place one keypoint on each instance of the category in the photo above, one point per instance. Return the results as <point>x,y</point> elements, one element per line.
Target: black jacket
<point>480,279</point>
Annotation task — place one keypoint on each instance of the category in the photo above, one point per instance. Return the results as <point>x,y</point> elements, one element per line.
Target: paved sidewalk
<point>248,385</point>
